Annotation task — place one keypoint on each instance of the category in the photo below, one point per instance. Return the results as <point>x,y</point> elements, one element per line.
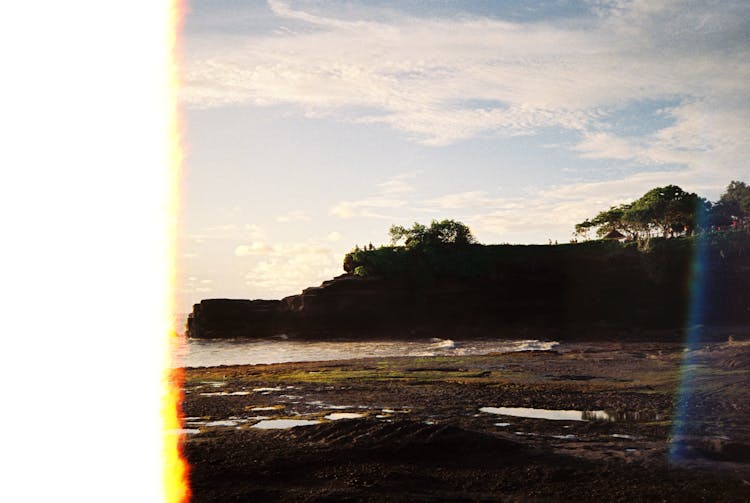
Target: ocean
<point>207,353</point>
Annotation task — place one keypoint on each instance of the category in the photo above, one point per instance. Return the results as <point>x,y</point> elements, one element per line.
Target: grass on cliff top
<point>478,260</point>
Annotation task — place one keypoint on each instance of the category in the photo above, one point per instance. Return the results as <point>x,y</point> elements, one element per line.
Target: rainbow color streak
<point>696,314</point>
<point>175,467</point>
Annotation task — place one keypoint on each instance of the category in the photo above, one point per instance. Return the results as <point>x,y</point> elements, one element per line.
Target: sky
<point>313,126</point>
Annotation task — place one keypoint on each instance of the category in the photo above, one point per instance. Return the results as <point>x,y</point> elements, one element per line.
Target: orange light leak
<point>176,469</point>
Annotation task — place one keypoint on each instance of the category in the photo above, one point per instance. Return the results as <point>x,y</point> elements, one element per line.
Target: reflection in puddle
<point>282,424</point>
<point>554,415</point>
<point>266,389</point>
<point>626,437</point>
<point>183,431</point>
<point>502,424</point>
<point>221,423</point>
<point>274,407</point>
<point>224,393</point>
<point>344,415</point>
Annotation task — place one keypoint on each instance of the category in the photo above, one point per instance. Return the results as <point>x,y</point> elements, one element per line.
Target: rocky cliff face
<point>555,294</point>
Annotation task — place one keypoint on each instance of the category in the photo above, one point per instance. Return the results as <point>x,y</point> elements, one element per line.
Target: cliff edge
<point>589,291</point>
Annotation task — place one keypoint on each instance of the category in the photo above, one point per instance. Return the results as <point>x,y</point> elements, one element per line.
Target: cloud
<point>252,249</point>
<point>334,236</point>
<point>285,269</point>
<point>366,207</point>
<point>399,184</point>
<point>282,249</point>
<point>391,194</point>
<point>293,216</point>
<point>440,80</point>
<point>290,276</point>
<point>229,231</point>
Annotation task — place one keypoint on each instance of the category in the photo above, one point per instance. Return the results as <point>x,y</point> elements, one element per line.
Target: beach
<point>580,422</point>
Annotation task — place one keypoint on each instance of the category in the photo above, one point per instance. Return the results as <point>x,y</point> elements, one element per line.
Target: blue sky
<point>313,126</point>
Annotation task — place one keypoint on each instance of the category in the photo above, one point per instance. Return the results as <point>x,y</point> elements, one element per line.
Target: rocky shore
<point>452,428</point>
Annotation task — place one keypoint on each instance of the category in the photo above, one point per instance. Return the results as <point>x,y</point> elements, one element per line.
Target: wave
<point>534,345</point>
<point>443,343</point>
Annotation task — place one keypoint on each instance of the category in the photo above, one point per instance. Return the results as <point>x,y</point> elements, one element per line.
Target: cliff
<point>585,291</point>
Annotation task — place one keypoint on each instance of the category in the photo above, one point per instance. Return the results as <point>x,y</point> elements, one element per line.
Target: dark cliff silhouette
<point>598,289</point>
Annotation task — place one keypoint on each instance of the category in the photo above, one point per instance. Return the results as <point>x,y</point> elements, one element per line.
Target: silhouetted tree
<point>666,210</point>
<point>445,232</point>
<point>734,204</point>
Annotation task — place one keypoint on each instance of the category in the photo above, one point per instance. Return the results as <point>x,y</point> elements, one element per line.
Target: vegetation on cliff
<point>447,248</point>
<point>670,211</point>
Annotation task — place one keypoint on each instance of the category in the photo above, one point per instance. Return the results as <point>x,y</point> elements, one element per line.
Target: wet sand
<point>438,429</point>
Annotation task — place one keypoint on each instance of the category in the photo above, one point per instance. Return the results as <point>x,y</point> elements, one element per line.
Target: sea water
<point>207,353</point>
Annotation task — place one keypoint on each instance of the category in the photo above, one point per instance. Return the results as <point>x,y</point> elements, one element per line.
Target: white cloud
<point>334,236</point>
<point>252,249</point>
<point>370,207</point>
<point>281,249</point>
<point>399,184</point>
<point>229,231</point>
<point>390,195</point>
<point>427,77</point>
<point>286,269</point>
<point>293,216</point>
<point>281,277</point>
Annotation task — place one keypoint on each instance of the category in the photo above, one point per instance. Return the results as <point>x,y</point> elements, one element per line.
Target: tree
<point>610,220</point>
<point>443,233</point>
<point>667,210</point>
<point>733,204</point>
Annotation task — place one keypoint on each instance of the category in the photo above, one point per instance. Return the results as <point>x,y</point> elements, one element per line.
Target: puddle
<point>502,424</point>
<point>550,414</point>
<point>394,411</point>
<point>282,424</point>
<point>564,437</point>
<point>224,393</point>
<point>259,409</point>
<point>626,437</point>
<point>222,423</point>
<point>183,431</point>
<point>258,390</point>
<point>344,415</point>
<point>214,384</point>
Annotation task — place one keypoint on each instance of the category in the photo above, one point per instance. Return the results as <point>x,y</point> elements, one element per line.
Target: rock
<point>523,292</point>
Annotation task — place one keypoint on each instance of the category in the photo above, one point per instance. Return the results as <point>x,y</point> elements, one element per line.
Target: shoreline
<point>411,418</point>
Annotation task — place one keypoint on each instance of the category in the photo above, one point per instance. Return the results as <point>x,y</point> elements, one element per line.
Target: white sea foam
<point>443,344</point>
